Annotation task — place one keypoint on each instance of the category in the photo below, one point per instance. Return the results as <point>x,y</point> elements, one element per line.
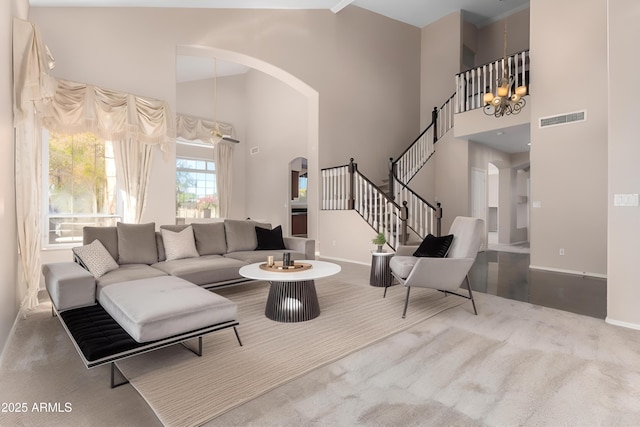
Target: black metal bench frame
<point>133,348</point>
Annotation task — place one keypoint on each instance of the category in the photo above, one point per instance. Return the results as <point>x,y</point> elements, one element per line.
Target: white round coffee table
<point>292,294</point>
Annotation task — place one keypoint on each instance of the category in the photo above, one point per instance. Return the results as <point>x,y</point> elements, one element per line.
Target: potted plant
<point>379,240</point>
<point>206,205</point>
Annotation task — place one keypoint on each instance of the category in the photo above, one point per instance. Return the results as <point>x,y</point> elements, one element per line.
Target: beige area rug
<point>186,390</point>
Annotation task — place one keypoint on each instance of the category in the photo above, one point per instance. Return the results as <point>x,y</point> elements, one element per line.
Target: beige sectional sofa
<point>139,250</point>
<point>133,289</point>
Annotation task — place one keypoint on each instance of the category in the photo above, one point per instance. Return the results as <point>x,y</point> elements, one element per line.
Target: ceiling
<point>414,12</point>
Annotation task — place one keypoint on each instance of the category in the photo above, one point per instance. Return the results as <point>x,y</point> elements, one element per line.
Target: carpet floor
<point>185,390</point>
<point>514,363</point>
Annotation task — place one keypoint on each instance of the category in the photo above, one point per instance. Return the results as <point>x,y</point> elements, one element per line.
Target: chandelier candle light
<point>504,102</point>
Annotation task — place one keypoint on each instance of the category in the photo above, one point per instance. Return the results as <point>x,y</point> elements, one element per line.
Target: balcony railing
<point>473,84</point>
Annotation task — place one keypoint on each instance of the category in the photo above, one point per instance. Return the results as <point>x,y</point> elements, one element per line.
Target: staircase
<point>345,187</point>
<point>393,208</point>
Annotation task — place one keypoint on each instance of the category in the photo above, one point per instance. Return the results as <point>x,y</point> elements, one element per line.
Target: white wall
<point>569,50</point>
<point>490,38</point>
<point>342,56</point>
<point>473,122</point>
<point>196,99</point>
<point>277,125</point>
<point>623,292</point>
<point>440,60</point>
<point>348,237</point>
<point>8,247</point>
<point>453,179</point>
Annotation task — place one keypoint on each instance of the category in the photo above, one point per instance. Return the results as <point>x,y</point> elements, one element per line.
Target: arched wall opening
<point>312,133</point>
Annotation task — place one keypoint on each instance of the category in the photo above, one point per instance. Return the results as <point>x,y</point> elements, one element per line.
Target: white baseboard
<point>621,323</point>
<point>345,260</point>
<point>574,272</point>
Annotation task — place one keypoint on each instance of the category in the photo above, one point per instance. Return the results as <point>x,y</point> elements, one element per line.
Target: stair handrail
<point>378,210</point>
<point>346,188</point>
<point>446,123</point>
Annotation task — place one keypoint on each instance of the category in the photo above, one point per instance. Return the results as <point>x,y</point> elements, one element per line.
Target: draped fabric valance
<point>112,115</point>
<point>193,128</point>
<point>32,60</point>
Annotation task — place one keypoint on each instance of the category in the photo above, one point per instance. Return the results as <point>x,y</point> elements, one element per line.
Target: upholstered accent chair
<point>444,274</point>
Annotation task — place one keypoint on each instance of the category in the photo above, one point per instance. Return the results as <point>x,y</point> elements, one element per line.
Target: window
<point>302,187</point>
<point>196,192</point>
<point>81,186</point>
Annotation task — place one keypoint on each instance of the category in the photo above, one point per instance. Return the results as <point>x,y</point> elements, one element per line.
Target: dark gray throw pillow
<point>434,247</point>
<point>108,236</point>
<point>241,234</point>
<point>210,238</point>
<point>137,243</point>
<point>269,239</point>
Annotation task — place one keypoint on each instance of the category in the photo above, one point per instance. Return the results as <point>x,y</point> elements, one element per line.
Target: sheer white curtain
<point>223,157</point>
<point>191,129</point>
<point>134,124</point>
<point>133,166</point>
<point>32,88</point>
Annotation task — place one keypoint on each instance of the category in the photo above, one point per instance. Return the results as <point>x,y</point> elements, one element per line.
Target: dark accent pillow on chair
<point>434,247</point>
<point>269,239</point>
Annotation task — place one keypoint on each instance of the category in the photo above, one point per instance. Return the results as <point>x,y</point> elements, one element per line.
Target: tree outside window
<point>81,186</point>
<point>196,192</point>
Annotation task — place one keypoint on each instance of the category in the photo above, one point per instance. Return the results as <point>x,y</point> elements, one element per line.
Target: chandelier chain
<point>507,100</point>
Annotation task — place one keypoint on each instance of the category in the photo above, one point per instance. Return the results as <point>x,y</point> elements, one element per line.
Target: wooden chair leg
<point>406,303</point>
<point>471,294</point>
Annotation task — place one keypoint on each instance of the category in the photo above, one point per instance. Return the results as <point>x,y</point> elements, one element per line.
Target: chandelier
<point>505,102</point>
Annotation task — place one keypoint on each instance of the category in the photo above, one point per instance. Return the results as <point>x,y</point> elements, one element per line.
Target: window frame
<point>207,171</point>
<point>46,215</point>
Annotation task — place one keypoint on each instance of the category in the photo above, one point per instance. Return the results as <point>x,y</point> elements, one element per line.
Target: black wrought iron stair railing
<point>423,217</point>
<point>415,156</point>
<point>345,188</point>
<point>399,212</point>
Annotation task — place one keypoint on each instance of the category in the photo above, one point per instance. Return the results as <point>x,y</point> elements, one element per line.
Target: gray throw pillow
<point>178,245</point>
<point>210,238</point>
<point>137,243</point>
<point>160,246</point>
<point>108,236</point>
<point>241,234</point>
<point>95,258</point>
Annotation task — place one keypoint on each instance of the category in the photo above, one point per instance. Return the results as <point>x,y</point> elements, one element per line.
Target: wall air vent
<point>563,119</point>
<point>254,150</point>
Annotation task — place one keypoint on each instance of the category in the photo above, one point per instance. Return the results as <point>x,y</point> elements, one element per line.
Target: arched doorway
<point>298,170</point>
<point>312,133</point>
